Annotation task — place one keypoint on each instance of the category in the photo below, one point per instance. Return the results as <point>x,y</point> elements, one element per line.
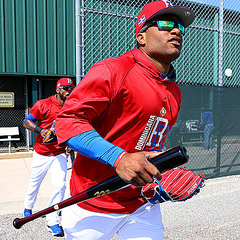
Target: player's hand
<point>135,168</point>
<point>44,132</point>
<point>69,150</point>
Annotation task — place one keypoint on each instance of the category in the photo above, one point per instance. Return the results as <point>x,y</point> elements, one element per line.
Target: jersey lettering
<point>153,134</point>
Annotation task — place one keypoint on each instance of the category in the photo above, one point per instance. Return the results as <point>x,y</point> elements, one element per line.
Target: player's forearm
<point>29,123</point>
<point>32,126</point>
<point>91,144</point>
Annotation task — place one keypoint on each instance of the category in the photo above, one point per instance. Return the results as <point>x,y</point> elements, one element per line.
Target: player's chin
<point>64,98</point>
<point>176,49</point>
<point>173,55</point>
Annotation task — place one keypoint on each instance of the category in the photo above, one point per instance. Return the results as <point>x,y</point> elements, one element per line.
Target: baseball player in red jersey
<point>116,118</point>
<point>48,155</point>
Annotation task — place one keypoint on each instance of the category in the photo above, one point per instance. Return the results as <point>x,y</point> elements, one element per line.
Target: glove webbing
<point>187,180</point>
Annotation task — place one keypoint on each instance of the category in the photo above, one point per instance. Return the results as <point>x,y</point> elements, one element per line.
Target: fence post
<point>79,39</point>
<point>219,129</point>
<point>220,84</point>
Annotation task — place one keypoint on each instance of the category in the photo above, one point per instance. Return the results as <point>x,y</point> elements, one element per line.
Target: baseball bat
<point>72,157</point>
<point>165,161</point>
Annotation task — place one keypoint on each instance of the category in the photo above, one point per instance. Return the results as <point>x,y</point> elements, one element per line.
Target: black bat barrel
<point>170,159</point>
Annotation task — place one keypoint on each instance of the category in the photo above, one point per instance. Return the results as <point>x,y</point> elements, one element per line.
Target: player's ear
<point>141,38</point>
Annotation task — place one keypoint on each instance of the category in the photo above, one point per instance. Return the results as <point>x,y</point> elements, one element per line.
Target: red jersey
<point>128,103</point>
<point>45,111</point>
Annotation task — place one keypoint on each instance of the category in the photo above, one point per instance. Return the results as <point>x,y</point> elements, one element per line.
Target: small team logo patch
<point>168,3</point>
<point>186,13</point>
<point>163,111</point>
<point>69,81</point>
<point>141,20</point>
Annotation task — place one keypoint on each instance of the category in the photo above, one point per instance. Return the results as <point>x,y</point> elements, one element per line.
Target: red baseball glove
<point>181,184</point>
<point>177,184</point>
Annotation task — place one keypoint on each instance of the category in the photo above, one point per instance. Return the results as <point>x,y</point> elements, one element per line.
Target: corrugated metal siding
<point>37,37</point>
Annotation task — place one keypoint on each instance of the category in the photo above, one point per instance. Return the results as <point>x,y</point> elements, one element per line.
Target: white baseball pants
<point>143,224</point>
<point>40,166</point>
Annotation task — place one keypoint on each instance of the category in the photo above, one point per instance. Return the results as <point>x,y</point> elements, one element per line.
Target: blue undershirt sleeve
<point>30,117</point>
<point>92,145</point>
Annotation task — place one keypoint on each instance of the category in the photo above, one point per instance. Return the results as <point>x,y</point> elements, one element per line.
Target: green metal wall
<point>37,37</point>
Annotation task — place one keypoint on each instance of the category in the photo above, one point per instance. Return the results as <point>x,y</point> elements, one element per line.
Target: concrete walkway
<point>212,214</point>
<point>15,171</point>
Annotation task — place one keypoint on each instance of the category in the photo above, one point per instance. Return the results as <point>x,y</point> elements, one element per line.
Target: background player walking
<point>116,118</point>
<point>48,155</point>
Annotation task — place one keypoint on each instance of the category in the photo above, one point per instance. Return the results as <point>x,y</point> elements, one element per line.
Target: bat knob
<point>16,223</point>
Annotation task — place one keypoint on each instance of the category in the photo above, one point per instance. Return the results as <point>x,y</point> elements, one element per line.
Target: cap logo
<point>168,3</point>
<point>141,20</point>
<point>69,81</point>
<point>186,14</point>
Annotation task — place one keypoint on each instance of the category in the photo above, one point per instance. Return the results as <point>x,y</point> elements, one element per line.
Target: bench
<point>9,132</point>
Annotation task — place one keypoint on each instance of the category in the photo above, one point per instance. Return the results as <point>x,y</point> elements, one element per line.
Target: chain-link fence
<point>211,45</point>
<point>13,117</point>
